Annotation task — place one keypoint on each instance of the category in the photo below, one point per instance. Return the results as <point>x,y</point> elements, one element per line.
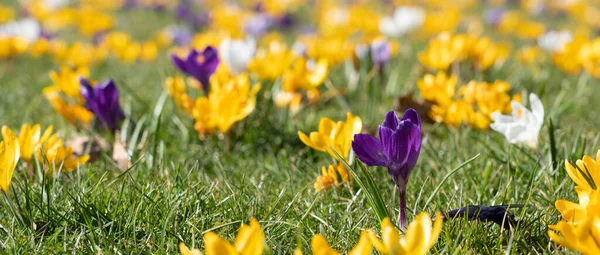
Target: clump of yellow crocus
<point>333,136</point>
<point>471,103</point>
<point>30,139</point>
<point>54,154</point>
<point>9,156</point>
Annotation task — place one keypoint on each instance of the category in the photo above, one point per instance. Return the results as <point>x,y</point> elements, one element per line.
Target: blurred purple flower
<point>181,35</point>
<point>380,52</point>
<point>103,101</point>
<point>258,24</point>
<point>397,148</point>
<point>200,65</point>
<point>493,16</point>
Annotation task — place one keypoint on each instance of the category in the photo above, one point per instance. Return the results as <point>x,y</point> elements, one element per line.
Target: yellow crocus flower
<point>275,52</point>
<point>30,138</point>
<point>55,154</point>
<point>583,237</point>
<point>6,14</point>
<point>419,237</point>
<point>67,80</point>
<point>250,240</point>
<point>437,88</point>
<point>225,105</point>
<point>329,177</point>
<point>9,156</point>
<point>176,88</point>
<point>336,135</point>
<point>73,113</point>
<point>149,51</point>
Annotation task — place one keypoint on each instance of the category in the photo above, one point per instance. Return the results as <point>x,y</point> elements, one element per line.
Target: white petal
<point>537,108</point>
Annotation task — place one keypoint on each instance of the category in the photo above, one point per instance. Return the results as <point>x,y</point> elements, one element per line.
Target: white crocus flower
<point>236,54</point>
<point>554,41</point>
<point>405,19</point>
<point>523,126</point>
<point>28,29</point>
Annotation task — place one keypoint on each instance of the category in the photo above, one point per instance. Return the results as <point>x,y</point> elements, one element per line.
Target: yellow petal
<point>363,247</point>
<point>215,245</point>
<point>320,246</point>
<point>183,249</point>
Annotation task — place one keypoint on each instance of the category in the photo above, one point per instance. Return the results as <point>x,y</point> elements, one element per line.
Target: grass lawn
<point>180,187</point>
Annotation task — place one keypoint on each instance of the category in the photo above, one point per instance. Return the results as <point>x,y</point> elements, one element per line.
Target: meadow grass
<point>180,187</point>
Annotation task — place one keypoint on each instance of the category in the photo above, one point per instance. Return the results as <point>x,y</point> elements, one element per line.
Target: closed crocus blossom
<point>9,156</point>
<point>418,238</point>
<point>250,240</point>
<point>523,126</point>
<point>236,54</point>
<point>200,65</point>
<point>103,101</point>
<point>397,148</point>
<point>405,19</point>
<point>30,139</point>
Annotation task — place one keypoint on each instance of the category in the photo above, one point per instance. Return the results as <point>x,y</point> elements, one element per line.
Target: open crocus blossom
<point>237,53</point>
<point>103,100</point>
<point>200,65</point>
<point>55,155</point>
<point>580,228</point>
<point>333,135</point>
<point>397,148</point>
<point>9,156</point>
<point>418,238</point>
<point>30,139</point>
<point>523,127</point>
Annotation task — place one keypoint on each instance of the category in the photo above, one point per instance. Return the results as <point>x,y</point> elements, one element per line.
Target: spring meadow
<point>299,127</point>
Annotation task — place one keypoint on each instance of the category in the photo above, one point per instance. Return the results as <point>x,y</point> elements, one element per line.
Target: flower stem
<point>402,216</point>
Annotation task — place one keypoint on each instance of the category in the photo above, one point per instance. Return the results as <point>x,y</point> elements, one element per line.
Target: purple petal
<point>180,63</point>
<point>385,135</point>
<point>369,150</point>
<point>413,117</point>
<point>85,88</point>
<point>391,121</point>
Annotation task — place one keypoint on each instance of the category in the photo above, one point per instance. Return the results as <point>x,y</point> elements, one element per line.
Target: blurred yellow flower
<point>176,88</point>
<point>12,46</point>
<point>419,237</point>
<point>531,55</point>
<point>6,14</point>
<point>333,136</point>
<point>304,76</point>
<point>250,239</point>
<point>40,47</point>
<point>54,154</point>
<point>184,250</point>
<point>330,175</point>
<point>73,112</point>
<point>30,139</point>
<point>226,104</point>
<point>586,172</point>
<point>437,88</point>
<point>275,52</point>
<point>333,49</point>
<point>67,80</point>
<point>148,51</point>
<point>91,21</point>
<point>438,21</point>
<point>9,156</point>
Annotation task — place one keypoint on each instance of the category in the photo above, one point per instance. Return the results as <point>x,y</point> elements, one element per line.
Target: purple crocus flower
<point>397,149</point>
<point>200,65</point>
<point>103,101</point>
<point>380,52</point>
<point>258,24</point>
